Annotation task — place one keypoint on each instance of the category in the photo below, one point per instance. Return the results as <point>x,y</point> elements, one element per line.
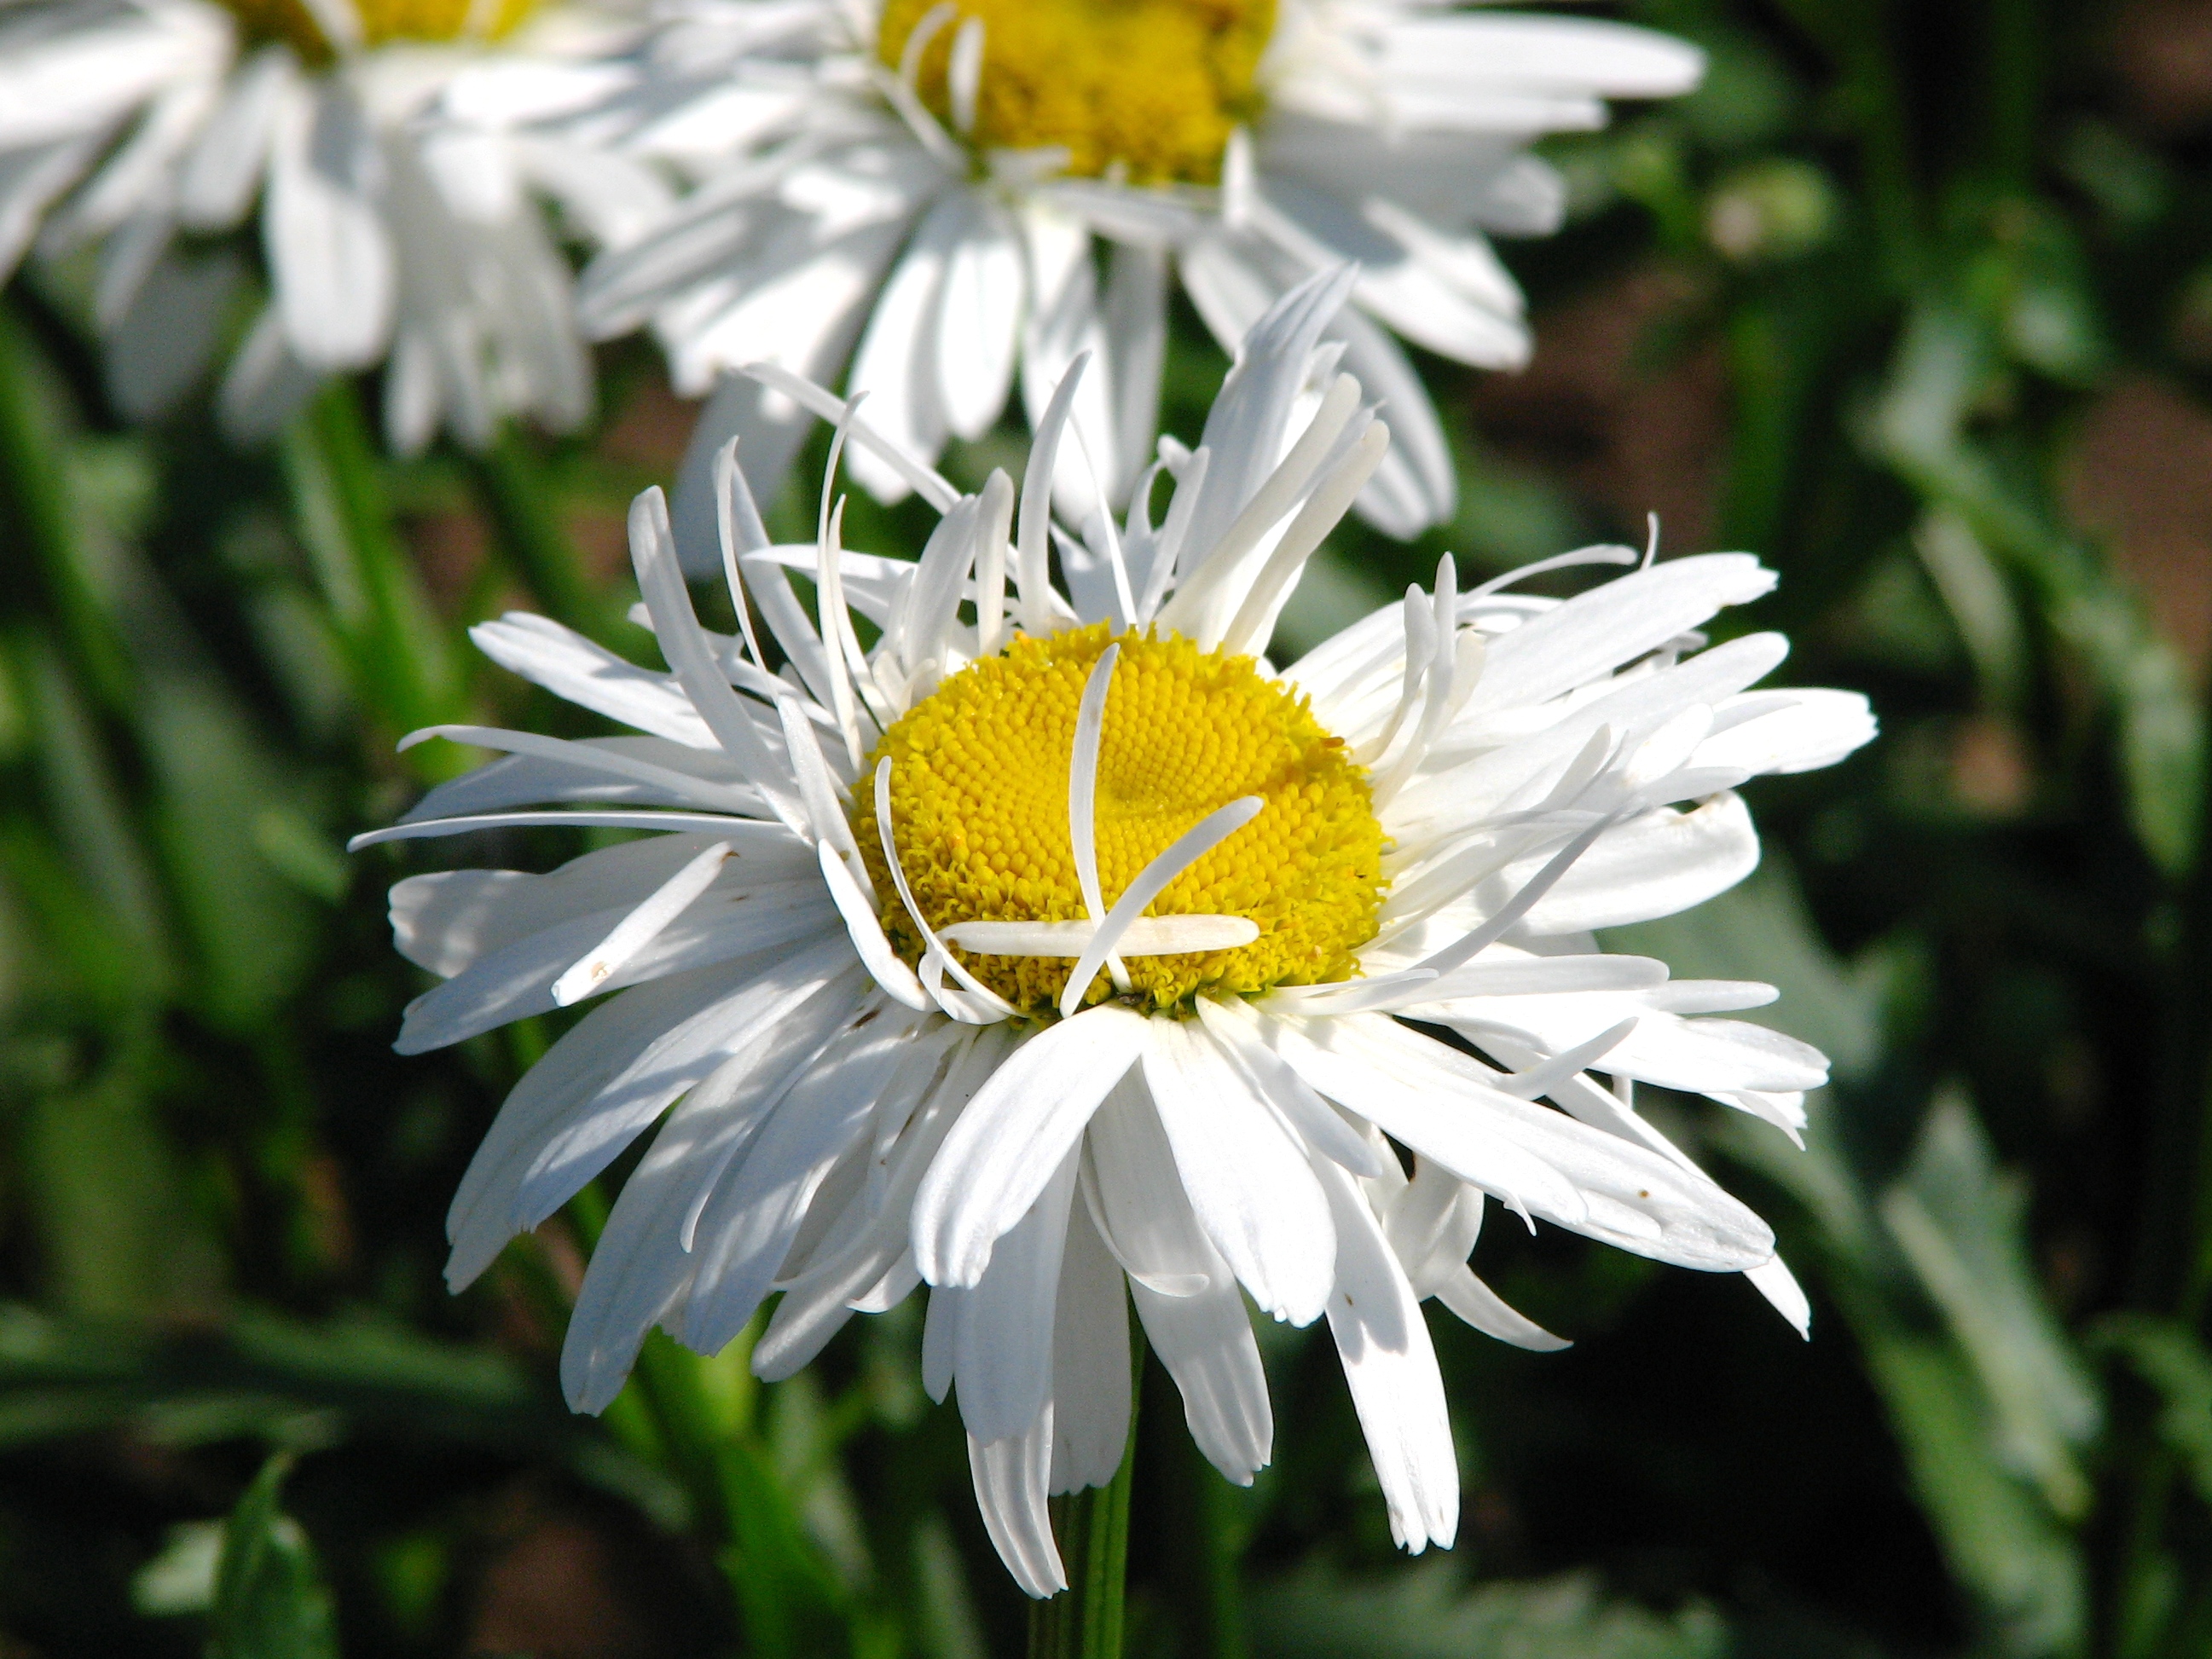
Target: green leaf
<point>2174,1363</point>
<point>288,1380</point>
<point>1980,604</point>
<point>252,929</point>
<point>115,1229</point>
<point>1963,1226</point>
<point>2020,1563</point>
<point>270,1600</point>
<point>404,666</point>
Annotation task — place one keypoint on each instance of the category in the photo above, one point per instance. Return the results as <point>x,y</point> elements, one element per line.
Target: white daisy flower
<point>1059,948</point>
<point>393,191</point>
<point>926,179</point>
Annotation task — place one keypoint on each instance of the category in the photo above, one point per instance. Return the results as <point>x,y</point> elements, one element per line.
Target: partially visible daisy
<point>396,226</point>
<point>1059,950</point>
<point>916,187</point>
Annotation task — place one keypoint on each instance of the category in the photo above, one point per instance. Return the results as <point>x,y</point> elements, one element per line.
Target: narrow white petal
<point>1010,1477</point>
<point>1391,1367</point>
<point>640,928</point>
<point>1193,844</point>
<point>1012,1137</point>
<point>653,553</point>
<point>1147,936</point>
<point>1083,793</point>
<point>1089,1363</point>
<point>883,963</point>
<point>518,980</point>
<point>1312,1119</point>
<point>1249,1182</point>
<point>1780,1287</point>
<point>1489,1313</point>
<point>742,1234</point>
<point>329,253</point>
<point>1002,1342</point>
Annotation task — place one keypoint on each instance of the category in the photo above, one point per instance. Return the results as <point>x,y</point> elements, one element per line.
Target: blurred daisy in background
<point>375,141</point>
<point>909,192</point>
<point>1059,948</point>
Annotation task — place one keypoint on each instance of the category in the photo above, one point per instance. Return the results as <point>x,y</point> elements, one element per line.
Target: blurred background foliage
<point>1916,301</point>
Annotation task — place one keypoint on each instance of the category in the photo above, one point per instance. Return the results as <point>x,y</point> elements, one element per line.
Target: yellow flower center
<point>293,22</point>
<point>1149,89</point>
<point>979,807</point>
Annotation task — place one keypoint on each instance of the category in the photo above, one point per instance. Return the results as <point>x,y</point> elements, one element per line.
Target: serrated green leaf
<point>1961,1223</point>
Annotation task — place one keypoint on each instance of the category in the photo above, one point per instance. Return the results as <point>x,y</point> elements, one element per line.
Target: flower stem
<point>1085,1621</point>
<point>2172,1268</point>
<point>518,498</point>
<point>401,657</point>
<point>34,492</point>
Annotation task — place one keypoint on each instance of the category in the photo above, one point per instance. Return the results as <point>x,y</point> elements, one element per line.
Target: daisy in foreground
<point>925,178</point>
<point>1058,949</point>
<point>394,195</point>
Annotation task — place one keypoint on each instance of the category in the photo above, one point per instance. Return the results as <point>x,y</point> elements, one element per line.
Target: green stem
<point>1223,1583</point>
<point>400,654</point>
<point>519,500</point>
<point>34,475</point>
<point>1085,1621</point>
<point>1862,40</point>
<point>2172,1266</point>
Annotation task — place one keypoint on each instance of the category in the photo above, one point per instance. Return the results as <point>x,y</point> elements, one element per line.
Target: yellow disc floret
<point>979,807</point>
<point>1148,89</point>
<point>382,21</point>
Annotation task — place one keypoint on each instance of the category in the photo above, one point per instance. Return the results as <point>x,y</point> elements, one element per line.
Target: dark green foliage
<point>1890,272</point>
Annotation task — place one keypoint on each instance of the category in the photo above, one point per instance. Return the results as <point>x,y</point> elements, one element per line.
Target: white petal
<point>1779,1286</point>
<point>1489,1313</point>
<point>979,317</point>
<point>639,1271</point>
<point>1391,1368</point>
<point>894,364</point>
<point>1596,632</point>
<point>1816,728</point>
<point>744,1233</point>
<point>1249,1182</point>
<point>1658,864</point>
<point>1206,1343</point>
<point>1010,1477</point>
<point>595,770</point>
<point>817,1302</point>
<point>216,183</point>
<point>1012,1137</point>
<point>1089,1363</point>
<point>1002,1326</point>
<point>589,675</point>
<point>633,1055</point>
<point>1592,1182</point>
<point>328,251</point>
<point>518,980</point>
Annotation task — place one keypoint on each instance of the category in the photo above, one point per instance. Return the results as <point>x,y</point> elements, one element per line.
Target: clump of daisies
<point>383,161</point>
<point>1060,953</point>
<point>909,193</point>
